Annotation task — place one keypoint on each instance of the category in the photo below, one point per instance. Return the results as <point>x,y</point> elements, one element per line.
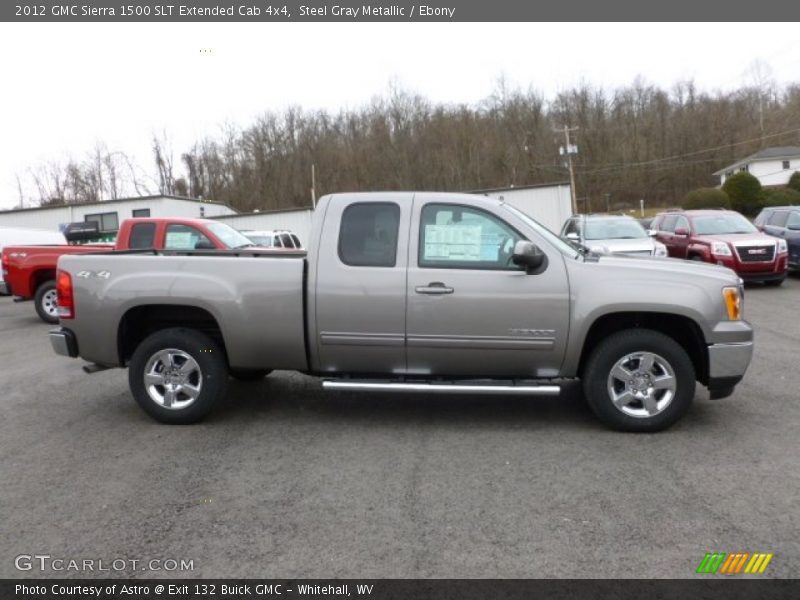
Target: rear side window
<point>368,234</point>
<point>778,219</point>
<point>794,220</point>
<point>668,223</point>
<point>143,235</point>
<point>286,240</point>
<point>296,241</point>
<point>184,237</point>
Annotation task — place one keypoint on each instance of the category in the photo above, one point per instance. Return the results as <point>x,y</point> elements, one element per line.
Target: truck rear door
<point>360,293</point>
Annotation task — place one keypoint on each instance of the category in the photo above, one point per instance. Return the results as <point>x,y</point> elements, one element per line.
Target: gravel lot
<point>285,481</point>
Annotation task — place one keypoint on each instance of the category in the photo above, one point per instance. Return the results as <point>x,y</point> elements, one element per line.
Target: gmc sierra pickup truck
<point>412,292</point>
<point>30,271</point>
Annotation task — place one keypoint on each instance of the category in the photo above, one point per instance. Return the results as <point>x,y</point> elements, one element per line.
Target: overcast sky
<point>68,86</point>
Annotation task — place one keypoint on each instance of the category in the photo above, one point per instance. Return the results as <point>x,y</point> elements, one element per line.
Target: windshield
<point>725,223</point>
<point>551,237</point>
<point>614,229</point>
<point>229,236</point>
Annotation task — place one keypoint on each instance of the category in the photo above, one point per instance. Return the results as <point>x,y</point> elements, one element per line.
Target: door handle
<point>433,288</point>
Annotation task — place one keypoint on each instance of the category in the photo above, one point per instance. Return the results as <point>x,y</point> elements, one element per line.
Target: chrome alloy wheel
<point>642,384</point>
<point>50,303</point>
<point>172,379</point>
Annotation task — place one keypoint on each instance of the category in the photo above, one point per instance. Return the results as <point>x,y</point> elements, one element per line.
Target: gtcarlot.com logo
<point>734,563</point>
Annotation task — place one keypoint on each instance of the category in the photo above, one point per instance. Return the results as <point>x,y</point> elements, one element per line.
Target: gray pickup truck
<point>416,292</point>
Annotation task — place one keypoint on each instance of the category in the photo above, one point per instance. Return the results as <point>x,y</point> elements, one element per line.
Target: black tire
<point>629,342</point>
<point>697,258</point>
<point>249,374</point>
<point>209,364</point>
<point>44,302</point>
<point>775,282</point>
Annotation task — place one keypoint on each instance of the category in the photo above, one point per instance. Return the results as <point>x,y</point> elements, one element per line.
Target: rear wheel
<point>639,380</point>
<point>177,375</point>
<point>697,257</point>
<point>46,302</point>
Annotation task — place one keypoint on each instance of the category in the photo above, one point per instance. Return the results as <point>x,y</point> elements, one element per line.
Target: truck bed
<point>255,297</point>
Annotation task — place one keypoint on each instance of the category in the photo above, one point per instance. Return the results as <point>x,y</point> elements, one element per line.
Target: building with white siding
<point>110,213</point>
<point>548,203</point>
<point>771,166</point>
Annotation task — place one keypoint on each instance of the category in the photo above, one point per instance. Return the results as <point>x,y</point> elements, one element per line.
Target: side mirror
<point>652,232</point>
<point>573,236</point>
<point>204,245</point>
<point>682,231</point>
<point>527,255</point>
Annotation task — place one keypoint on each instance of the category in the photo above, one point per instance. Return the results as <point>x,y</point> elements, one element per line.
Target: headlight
<point>660,250</point>
<point>733,302</point>
<point>720,249</point>
<point>782,247</point>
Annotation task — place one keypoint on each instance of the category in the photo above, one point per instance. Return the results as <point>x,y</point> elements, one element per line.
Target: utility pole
<point>313,188</point>
<point>569,150</point>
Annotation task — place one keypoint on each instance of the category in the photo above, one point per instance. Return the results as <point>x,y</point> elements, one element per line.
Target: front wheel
<point>46,302</point>
<point>639,380</point>
<point>177,375</point>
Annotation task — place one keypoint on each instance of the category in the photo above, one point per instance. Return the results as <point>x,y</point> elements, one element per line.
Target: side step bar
<point>441,388</point>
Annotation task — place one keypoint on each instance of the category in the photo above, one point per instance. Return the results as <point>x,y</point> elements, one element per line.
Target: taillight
<point>5,260</point>
<point>66,303</point>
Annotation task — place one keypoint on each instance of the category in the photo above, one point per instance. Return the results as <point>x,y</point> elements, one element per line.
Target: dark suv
<point>723,237</point>
<point>783,222</point>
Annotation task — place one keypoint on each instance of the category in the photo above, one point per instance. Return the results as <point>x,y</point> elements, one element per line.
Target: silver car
<point>611,234</point>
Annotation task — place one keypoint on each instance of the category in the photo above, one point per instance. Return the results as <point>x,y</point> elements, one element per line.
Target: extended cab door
<point>471,312</point>
<point>360,294</point>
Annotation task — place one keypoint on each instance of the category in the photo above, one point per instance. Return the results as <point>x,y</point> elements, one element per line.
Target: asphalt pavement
<point>286,481</point>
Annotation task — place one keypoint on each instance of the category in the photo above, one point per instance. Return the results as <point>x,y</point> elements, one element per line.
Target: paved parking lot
<point>285,481</point>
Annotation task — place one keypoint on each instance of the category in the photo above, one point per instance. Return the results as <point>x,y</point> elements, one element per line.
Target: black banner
<point>397,10</point>
<point>383,589</point>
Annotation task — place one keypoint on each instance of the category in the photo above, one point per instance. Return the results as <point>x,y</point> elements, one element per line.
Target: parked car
<point>611,234</point>
<point>411,292</point>
<point>277,238</point>
<point>783,222</point>
<point>647,222</point>
<point>10,236</point>
<point>30,271</point>
<point>724,237</point>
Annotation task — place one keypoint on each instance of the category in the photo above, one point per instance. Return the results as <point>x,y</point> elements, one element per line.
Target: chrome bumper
<point>63,342</point>
<point>729,360</point>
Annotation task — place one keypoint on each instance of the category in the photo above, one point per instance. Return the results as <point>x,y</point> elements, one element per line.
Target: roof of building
<point>113,201</point>
<point>773,153</point>
<point>518,187</point>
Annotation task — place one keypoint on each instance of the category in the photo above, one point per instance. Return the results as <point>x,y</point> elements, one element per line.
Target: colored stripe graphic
<point>733,563</point>
<point>711,562</point>
<point>758,563</point>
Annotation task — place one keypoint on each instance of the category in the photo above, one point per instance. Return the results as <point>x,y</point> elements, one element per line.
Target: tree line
<point>637,142</point>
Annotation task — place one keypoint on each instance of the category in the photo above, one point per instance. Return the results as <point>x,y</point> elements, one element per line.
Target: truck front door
<point>470,310</point>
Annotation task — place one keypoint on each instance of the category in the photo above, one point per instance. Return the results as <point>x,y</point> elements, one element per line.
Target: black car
<point>783,222</point>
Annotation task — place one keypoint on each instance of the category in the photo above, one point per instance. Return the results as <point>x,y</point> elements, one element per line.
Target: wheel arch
<point>684,330</point>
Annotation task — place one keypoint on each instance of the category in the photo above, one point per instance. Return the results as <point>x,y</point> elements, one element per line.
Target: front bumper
<point>5,290</point>
<point>63,342</point>
<point>727,364</point>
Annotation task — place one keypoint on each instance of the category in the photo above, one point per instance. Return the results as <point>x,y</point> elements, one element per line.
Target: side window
<point>761,218</point>
<point>296,241</point>
<point>286,240</point>
<point>668,224</point>
<point>778,219</point>
<point>143,235</point>
<point>461,237</point>
<point>183,237</point>
<point>368,234</point>
<point>570,227</point>
<point>276,241</point>
<point>682,223</point>
<point>793,221</point>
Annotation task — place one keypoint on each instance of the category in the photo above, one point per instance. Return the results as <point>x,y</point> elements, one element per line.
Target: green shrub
<point>794,181</point>
<point>781,197</point>
<point>706,198</point>
<point>744,191</point>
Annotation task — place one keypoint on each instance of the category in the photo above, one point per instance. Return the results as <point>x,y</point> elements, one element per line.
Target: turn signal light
<point>733,302</point>
<point>66,303</point>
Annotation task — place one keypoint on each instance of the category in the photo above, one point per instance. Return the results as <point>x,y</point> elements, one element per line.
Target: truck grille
<point>751,254</point>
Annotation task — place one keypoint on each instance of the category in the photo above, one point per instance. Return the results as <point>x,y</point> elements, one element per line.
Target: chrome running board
<point>440,388</point>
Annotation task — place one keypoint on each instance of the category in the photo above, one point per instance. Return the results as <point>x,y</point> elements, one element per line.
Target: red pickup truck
<point>723,237</point>
<point>30,271</point>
